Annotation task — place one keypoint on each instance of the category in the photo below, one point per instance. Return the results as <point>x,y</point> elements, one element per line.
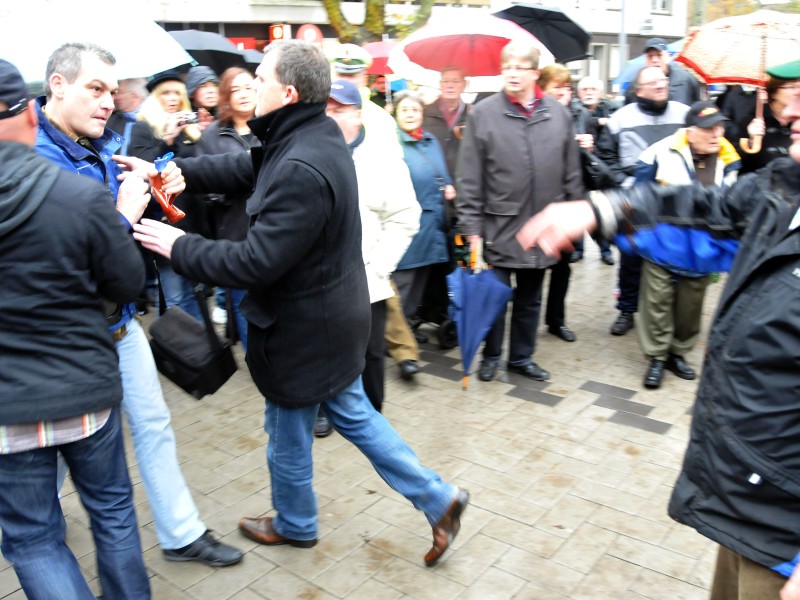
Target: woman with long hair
<point>166,124</point>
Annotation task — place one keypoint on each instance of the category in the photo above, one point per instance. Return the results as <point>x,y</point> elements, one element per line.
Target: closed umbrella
<point>476,300</point>
<point>139,45</point>
<point>560,34</point>
<point>210,49</point>
<point>739,49</point>
<point>472,42</point>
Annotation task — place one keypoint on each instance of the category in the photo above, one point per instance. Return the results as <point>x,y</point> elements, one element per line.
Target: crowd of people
<point>326,223</point>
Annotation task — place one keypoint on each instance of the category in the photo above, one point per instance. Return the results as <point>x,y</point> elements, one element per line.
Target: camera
<point>188,118</point>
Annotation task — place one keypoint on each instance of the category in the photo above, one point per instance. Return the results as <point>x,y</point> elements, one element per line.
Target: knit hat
<point>13,91</point>
<point>198,76</point>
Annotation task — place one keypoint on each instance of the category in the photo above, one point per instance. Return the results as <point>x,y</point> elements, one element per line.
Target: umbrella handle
<point>754,148</point>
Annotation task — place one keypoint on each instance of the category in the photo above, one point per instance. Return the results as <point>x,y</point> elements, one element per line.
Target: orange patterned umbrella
<point>738,49</point>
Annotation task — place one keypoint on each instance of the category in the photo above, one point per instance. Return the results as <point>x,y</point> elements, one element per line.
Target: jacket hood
<point>25,181</point>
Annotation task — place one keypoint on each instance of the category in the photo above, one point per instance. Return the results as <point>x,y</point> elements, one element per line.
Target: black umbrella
<point>210,49</point>
<point>253,58</point>
<point>561,35</point>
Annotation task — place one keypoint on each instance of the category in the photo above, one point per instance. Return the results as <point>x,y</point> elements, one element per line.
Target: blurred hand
<point>156,236</point>
<point>791,590</point>
<point>756,128</point>
<point>133,197</point>
<point>206,118</point>
<point>171,176</point>
<point>585,141</point>
<point>554,228</point>
<point>449,192</point>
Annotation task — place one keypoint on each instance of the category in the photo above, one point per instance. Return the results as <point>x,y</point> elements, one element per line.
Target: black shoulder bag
<point>187,352</point>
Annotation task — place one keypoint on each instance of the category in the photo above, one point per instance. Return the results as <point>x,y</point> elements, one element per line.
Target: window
<point>661,6</point>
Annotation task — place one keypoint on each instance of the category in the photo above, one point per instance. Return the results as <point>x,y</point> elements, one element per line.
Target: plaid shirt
<point>31,436</point>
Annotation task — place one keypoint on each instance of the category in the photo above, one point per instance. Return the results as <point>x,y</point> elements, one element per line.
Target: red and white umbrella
<point>379,51</point>
<point>472,41</point>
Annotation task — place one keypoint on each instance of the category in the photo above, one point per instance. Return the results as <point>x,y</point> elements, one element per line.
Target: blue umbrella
<point>476,300</point>
<point>632,67</point>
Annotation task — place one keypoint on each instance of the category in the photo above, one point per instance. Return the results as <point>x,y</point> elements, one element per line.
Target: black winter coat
<point>307,303</point>
<point>740,482</point>
<point>63,247</point>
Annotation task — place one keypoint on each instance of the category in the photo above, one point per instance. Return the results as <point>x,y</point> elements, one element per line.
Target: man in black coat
<point>307,303</point>
<point>62,249</point>
<point>739,482</point>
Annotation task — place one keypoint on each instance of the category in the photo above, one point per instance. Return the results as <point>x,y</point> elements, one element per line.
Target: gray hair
<point>591,82</point>
<point>407,95</point>
<point>304,66</point>
<point>68,60</point>
<point>521,50</point>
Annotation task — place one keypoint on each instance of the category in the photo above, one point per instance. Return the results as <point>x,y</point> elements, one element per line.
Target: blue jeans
<point>176,518</point>
<point>237,296</point>
<point>178,291</point>
<point>33,524</point>
<point>350,412</point>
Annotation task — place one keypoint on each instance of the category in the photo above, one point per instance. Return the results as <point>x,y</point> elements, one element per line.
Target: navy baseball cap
<point>13,91</point>
<point>655,44</point>
<point>344,92</point>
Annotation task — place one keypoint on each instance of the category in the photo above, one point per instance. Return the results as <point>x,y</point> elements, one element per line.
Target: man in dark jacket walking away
<point>307,304</point>
<point>62,249</point>
<point>519,154</point>
<point>739,485</point>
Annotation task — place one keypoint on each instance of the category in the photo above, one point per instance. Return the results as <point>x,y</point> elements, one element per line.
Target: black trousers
<point>375,369</point>
<point>526,306</point>
<point>630,273</point>
<point>554,316</point>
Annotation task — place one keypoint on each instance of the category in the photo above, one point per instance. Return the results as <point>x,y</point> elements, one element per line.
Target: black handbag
<point>597,175</point>
<point>187,352</point>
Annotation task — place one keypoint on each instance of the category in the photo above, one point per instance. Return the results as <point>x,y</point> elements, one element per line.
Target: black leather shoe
<point>678,365</point>
<point>488,370</point>
<point>207,550</point>
<point>322,427</point>
<point>623,324</point>
<point>607,258</point>
<point>575,257</point>
<point>408,368</point>
<point>563,332</point>
<point>655,374</point>
<point>531,370</point>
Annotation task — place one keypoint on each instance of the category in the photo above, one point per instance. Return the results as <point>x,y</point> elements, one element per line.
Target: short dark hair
<point>304,66</point>
<point>68,60</point>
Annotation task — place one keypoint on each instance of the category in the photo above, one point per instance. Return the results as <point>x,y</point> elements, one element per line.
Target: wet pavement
<point>569,480</point>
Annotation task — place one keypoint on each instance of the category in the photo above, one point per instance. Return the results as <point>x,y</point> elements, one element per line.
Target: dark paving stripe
<point>636,408</point>
<point>442,371</point>
<point>639,422</point>
<point>535,396</point>
<point>443,359</point>
<point>608,390</point>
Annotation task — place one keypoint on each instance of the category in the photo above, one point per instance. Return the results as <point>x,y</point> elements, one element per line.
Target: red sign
<point>245,43</point>
<point>310,33</point>
<point>280,32</point>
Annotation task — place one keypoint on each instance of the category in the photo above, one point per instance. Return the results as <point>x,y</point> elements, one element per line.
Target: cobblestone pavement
<point>569,481</point>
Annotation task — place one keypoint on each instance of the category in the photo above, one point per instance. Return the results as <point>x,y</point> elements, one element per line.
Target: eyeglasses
<point>507,68</point>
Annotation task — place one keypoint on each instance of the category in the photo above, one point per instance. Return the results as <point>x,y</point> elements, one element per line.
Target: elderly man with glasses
<point>519,155</point>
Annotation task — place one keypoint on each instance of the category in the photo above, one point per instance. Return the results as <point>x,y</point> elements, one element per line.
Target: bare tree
<point>375,21</point>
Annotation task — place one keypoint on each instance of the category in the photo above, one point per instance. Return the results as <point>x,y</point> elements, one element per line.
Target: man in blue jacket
<point>307,300</point>
<point>79,88</point>
<point>740,482</point>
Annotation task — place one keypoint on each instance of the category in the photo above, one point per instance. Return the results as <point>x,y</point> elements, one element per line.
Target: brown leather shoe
<point>446,529</point>
<point>262,531</point>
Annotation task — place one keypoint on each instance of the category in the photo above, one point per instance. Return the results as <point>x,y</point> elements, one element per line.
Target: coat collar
<point>283,121</point>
